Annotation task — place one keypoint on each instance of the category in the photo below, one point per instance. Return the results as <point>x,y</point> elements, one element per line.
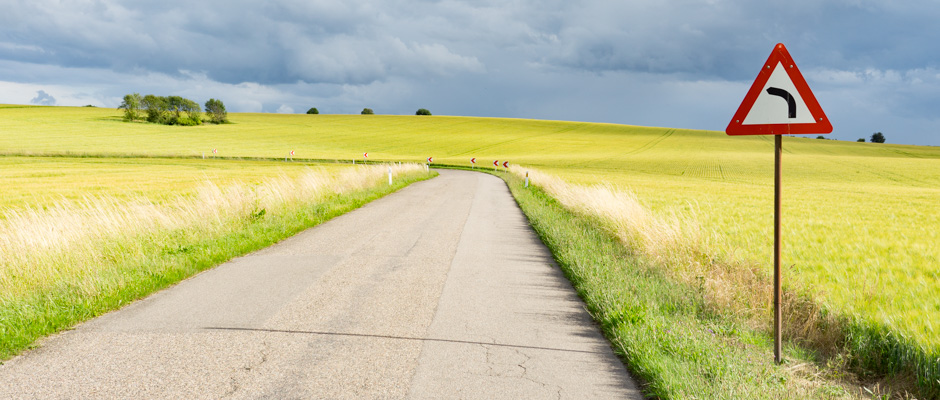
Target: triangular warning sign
<point>779,102</point>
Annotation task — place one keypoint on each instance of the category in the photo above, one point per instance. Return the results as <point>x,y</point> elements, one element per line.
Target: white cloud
<point>285,109</point>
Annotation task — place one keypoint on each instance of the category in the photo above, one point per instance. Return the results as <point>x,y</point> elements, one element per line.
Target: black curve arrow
<point>791,103</point>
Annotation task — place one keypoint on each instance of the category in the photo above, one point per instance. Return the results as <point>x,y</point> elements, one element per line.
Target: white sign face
<point>779,102</point>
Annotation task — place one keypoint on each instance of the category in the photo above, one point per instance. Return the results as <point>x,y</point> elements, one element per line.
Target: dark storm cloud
<point>262,42</point>
<point>362,42</point>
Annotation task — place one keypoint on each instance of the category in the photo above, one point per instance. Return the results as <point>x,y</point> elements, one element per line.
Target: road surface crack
<point>243,373</point>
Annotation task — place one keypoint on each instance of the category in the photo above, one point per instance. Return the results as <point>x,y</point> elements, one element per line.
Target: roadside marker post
<point>495,165</point>
<point>506,164</point>
<point>473,162</point>
<point>427,167</point>
<point>389,175</point>
<point>527,179</point>
<point>364,157</point>
<point>779,103</point>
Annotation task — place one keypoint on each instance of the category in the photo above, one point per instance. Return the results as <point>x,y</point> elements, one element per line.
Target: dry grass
<point>677,241</point>
<point>43,247</point>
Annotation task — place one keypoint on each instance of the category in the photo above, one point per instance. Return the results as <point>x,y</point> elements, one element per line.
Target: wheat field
<point>860,221</point>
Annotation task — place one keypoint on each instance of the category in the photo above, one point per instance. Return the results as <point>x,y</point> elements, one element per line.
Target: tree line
<point>171,110</point>
<point>368,111</point>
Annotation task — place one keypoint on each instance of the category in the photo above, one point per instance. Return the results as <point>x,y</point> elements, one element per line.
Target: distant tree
<point>156,108</point>
<point>313,111</point>
<point>423,111</point>
<point>193,113</point>
<point>877,137</point>
<point>170,110</point>
<point>367,111</point>
<point>861,140</point>
<point>131,106</point>
<point>821,137</point>
<point>175,107</point>
<point>216,111</point>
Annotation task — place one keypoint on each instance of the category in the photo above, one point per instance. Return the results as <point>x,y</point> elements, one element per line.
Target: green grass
<point>860,220</point>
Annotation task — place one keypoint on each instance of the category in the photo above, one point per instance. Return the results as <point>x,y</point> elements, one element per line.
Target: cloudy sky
<point>873,65</point>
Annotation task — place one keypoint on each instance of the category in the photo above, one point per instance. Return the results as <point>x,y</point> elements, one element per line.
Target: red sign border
<point>779,55</point>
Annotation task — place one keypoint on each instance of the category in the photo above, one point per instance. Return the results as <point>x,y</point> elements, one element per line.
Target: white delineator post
<point>389,175</point>
<point>527,179</point>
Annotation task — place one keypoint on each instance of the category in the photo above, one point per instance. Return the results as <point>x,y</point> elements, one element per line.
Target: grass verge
<point>677,246</point>
<point>95,257</point>
<point>670,337</point>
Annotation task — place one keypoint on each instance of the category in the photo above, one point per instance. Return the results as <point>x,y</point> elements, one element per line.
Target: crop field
<point>860,219</point>
<point>40,182</point>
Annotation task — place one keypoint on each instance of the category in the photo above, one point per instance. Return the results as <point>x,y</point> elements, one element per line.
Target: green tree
<point>156,108</point>
<point>216,110</point>
<point>423,111</point>
<point>193,113</point>
<point>877,137</point>
<point>175,108</point>
<point>131,106</point>
<point>313,111</point>
<point>861,140</point>
<point>367,111</point>
<point>170,110</point>
<point>820,137</point>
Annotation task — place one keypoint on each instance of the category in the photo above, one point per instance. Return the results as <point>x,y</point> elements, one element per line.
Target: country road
<point>438,291</point>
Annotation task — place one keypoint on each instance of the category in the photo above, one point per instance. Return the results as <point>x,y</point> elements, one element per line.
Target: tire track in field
<point>497,144</point>
<point>880,173</point>
<point>645,147</point>
<point>652,143</point>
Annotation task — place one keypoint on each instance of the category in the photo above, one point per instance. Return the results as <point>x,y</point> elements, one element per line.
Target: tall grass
<point>74,260</point>
<point>676,242</point>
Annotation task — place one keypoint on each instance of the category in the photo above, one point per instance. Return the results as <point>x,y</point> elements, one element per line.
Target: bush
<point>313,111</point>
<point>877,137</point>
<point>423,111</point>
<point>861,140</point>
<point>367,111</point>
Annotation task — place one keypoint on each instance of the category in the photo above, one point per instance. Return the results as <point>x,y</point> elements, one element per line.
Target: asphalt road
<point>441,291</point>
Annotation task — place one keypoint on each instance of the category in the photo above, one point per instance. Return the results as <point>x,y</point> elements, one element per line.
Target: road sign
<point>365,155</point>
<point>291,152</point>
<point>505,164</point>
<point>495,163</point>
<point>430,159</point>
<point>779,102</point>
<point>473,160</point>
